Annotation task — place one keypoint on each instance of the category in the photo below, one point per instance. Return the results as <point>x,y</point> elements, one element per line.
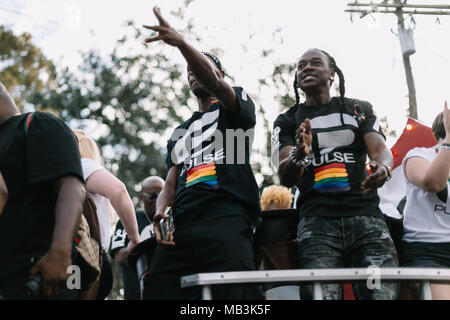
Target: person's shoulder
<point>48,121</point>
<point>41,115</point>
<point>90,166</point>
<point>288,114</point>
<point>353,102</point>
<point>421,152</point>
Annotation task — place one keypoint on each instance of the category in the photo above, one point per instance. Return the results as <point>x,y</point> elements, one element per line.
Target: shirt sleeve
<point>89,167</point>
<point>119,239</point>
<point>423,153</point>
<point>52,150</point>
<point>169,162</point>
<point>283,135</point>
<point>245,118</point>
<point>283,132</point>
<point>369,120</point>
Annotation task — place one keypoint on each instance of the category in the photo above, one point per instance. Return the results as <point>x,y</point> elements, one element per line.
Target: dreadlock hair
<point>332,64</point>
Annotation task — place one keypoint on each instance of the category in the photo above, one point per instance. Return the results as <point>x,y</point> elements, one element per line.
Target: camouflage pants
<point>348,242</point>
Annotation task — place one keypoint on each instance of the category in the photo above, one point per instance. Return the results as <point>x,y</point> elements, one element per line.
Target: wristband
<point>388,172</point>
<point>445,146</point>
<point>299,163</point>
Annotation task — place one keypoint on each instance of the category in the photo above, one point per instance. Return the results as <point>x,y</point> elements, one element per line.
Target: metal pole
<point>317,291</point>
<point>408,70</point>
<point>206,293</point>
<point>426,291</point>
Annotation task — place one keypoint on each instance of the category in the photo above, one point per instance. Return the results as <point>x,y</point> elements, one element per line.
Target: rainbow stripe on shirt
<point>204,174</point>
<point>331,178</point>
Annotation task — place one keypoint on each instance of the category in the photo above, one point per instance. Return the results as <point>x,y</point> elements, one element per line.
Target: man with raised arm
<point>210,185</point>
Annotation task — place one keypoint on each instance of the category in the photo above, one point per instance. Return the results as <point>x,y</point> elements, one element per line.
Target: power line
<point>20,13</point>
<point>406,36</point>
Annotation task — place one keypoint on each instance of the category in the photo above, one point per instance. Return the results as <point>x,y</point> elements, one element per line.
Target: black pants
<point>220,245</point>
<point>349,242</point>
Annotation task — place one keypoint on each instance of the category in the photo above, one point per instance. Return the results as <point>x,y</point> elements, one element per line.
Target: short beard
<point>200,92</point>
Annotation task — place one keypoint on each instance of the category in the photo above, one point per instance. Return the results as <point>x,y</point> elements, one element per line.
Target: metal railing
<point>316,276</point>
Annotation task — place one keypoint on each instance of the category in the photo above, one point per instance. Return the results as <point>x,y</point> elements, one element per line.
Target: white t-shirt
<point>102,203</point>
<point>426,214</point>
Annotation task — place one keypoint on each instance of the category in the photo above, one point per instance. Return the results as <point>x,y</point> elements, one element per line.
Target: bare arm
<point>69,205</point>
<point>381,157</point>
<point>165,199</point>
<point>3,193</point>
<point>288,172</point>
<point>107,185</point>
<point>203,69</point>
<point>433,176</point>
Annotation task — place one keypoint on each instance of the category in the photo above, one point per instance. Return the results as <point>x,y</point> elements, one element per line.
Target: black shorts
<point>426,255</point>
<point>221,245</point>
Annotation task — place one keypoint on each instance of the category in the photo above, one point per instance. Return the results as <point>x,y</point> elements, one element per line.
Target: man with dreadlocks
<point>321,146</point>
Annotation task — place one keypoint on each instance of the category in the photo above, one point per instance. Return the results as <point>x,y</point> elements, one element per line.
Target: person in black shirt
<point>151,187</point>
<point>321,147</point>
<point>40,163</point>
<point>210,184</point>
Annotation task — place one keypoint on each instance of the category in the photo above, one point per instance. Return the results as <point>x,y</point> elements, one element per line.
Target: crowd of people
<point>51,177</point>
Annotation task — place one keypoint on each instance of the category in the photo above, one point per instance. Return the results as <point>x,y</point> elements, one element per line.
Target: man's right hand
<point>160,215</point>
<point>303,139</point>
<point>53,268</point>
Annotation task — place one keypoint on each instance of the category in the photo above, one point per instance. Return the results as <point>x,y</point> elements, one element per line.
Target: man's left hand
<point>166,32</point>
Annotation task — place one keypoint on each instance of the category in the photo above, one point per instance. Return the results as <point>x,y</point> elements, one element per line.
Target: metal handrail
<point>317,276</point>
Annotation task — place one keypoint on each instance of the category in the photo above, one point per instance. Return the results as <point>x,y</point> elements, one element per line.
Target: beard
<point>200,92</point>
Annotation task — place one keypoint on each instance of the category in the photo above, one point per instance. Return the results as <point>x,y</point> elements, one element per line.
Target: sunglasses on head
<point>150,196</point>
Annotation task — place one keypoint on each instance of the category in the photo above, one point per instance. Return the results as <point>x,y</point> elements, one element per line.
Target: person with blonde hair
<point>106,190</point>
<point>276,197</point>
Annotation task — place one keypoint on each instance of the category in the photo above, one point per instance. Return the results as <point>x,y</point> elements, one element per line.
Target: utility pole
<point>399,8</point>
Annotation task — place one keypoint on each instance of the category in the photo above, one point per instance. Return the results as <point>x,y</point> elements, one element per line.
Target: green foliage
<point>23,68</point>
<point>133,97</point>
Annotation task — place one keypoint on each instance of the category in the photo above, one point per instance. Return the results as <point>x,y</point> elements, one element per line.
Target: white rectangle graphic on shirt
<point>180,147</point>
<point>332,120</point>
<point>335,139</point>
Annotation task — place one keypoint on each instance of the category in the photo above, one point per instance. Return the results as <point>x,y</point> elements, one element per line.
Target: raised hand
<point>166,32</point>
<point>446,120</point>
<point>303,139</point>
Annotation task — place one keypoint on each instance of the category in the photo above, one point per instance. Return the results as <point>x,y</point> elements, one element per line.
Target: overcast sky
<point>366,50</point>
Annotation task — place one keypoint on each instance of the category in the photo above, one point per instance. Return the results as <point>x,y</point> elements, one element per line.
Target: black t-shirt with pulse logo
<point>331,184</point>
<point>212,153</point>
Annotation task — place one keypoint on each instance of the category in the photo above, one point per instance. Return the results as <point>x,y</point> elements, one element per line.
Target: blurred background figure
<point>426,239</point>
<point>150,189</point>
<point>276,197</point>
<point>3,193</point>
<point>106,190</point>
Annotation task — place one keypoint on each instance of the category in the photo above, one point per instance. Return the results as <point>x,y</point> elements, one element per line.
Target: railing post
<point>426,291</point>
<point>317,291</point>
<point>206,293</point>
